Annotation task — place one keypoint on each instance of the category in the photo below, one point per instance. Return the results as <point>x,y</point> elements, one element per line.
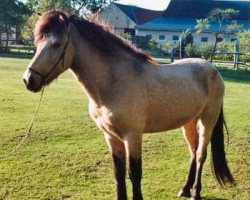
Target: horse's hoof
<point>184,193</point>
<point>196,198</point>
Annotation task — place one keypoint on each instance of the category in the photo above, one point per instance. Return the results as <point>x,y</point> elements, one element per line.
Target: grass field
<point>67,158</point>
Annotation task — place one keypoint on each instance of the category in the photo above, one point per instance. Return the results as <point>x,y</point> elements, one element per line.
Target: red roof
<point>144,16</point>
<point>137,14</point>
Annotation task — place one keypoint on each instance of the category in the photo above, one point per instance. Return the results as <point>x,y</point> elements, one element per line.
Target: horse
<point>130,94</point>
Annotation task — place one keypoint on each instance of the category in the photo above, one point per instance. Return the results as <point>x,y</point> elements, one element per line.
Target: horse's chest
<point>106,120</point>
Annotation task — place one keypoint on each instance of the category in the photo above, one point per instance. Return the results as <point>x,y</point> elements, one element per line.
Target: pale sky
<point>149,4</point>
<point>153,4</point>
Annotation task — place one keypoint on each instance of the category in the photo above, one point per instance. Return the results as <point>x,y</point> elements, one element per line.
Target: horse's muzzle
<point>32,81</point>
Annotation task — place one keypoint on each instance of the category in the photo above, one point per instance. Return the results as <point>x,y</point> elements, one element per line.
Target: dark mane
<point>97,33</point>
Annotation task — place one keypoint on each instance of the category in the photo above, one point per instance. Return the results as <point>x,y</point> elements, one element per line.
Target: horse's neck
<point>90,69</point>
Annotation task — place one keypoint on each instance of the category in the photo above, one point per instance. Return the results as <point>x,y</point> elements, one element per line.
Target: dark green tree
<point>186,39</point>
<point>12,16</point>
<point>80,7</point>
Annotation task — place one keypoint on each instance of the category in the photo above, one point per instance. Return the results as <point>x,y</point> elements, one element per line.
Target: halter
<point>62,56</point>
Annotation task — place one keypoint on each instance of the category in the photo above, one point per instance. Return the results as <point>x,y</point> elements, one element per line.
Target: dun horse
<point>129,94</point>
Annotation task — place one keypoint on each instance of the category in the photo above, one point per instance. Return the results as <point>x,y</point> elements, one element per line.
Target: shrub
<point>205,50</point>
<point>167,47</point>
<point>156,49</point>
<point>1,47</point>
<point>225,47</point>
<point>153,44</point>
<point>244,38</point>
<point>192,51</point>
<point>245,58</point>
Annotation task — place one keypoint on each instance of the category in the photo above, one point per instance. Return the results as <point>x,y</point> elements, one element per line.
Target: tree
<point>79,7</point>
<point>186,39</point>
<point>12,15</point>
<point>222,17</point>
<point>244,38</point>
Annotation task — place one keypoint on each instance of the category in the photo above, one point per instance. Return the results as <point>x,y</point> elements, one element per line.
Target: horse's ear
<point>94,18</point>
<point>64,18</point>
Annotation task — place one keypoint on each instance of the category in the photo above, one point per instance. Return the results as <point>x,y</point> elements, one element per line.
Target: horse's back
<point>191,71</point>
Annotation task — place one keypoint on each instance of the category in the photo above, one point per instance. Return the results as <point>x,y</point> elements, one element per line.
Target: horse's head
<point>52,55</point>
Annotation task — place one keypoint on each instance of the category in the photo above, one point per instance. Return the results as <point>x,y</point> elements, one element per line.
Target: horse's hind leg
<point>190,133</point>
<point>206,123</point>
<point>117,149</point>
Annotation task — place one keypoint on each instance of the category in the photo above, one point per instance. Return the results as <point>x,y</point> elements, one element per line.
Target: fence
<point>13,47</point>
<point>176,52</point>
<point>179,53</point>
<point>236,56</point>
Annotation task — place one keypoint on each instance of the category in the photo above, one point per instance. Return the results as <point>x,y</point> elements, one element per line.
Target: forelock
<point>49,22</point>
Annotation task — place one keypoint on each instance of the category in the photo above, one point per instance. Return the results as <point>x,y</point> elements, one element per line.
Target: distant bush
<point>245,58</point>
<point>153,44</point>
<point>167,47</point>
<point>244,38</point>
<point>205,50</point>
<point>192,51</point>
<point>1,47</point>
<point>156,49</point>
<point>225,47</point>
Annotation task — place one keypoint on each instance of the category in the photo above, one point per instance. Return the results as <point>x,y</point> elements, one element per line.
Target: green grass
<point>67,158</point>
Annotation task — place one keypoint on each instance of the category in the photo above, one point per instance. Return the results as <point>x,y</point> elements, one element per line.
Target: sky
<point>149,4</point>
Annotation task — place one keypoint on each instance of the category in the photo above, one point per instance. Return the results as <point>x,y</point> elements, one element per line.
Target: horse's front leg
<point>117,149</point>
<point>191,135</point>
<point>133,144</point>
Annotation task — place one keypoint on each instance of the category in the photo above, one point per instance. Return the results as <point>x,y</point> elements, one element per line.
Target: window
<point>161,37</point>
<point>175,37</point>
<point>148,36</point>
<point>204,39</point>
<point>233,39</point>
<point>130,31</point>
<point>220,39</point>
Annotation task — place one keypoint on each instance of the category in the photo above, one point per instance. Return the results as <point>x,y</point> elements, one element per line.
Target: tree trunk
<point>214,48</point>
<point>7,38</point>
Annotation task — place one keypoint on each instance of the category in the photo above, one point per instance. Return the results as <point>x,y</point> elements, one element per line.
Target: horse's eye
<point>56,45</point>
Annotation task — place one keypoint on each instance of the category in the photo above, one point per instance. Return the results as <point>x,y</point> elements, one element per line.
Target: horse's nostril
<point>31,81</point>
<point>25,81</point>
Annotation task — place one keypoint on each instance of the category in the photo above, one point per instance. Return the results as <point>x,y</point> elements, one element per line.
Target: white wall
<point>197,38</point>
<point>116,18</point>
<point>155,34</point>
<point>169,36</point>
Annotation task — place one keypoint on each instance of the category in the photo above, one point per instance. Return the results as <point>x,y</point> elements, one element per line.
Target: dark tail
<point>220,168</point>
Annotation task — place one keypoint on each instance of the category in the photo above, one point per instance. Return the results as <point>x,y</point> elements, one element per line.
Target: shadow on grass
<point>17,55</point>
<point>240,76</point>
<point>213,198</point>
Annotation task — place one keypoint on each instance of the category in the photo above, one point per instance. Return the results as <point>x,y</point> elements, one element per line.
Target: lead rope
<point>28,132</point>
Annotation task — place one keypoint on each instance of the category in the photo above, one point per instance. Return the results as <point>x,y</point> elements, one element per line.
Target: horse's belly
<point>159,124</point>
<point>171,113</point>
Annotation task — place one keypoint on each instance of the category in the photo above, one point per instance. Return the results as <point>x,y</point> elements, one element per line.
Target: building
<point>181,15</point>
<point>124,18</point>
<point>11,35</point>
